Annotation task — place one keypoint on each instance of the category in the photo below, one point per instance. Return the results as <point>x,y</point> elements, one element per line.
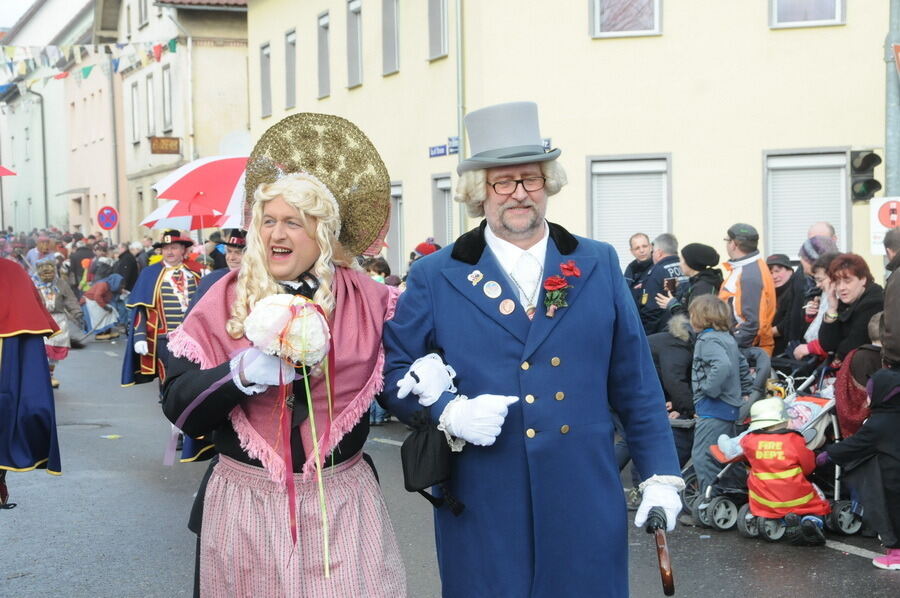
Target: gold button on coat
<point>564,429</point>
<point>530,433</point>
<point>525,365</point>
<point>560,396</point>
<point>529,398</point>
<point>554,362</point>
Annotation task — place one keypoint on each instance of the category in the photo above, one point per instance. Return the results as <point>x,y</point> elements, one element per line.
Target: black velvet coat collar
<point>469,246</point>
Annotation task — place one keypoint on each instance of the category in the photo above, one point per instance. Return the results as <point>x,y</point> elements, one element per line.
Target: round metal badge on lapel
<point>507,306</point>
<point>492,289</point>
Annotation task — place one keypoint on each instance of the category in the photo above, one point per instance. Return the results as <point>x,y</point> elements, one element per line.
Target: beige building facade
<point>188,103</point>
<point>680,116</point>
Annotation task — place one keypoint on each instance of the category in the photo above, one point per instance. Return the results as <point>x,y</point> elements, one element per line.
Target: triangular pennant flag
<point>10,52</point>
<point>22,68</point>
<point>77,50</point>
<point>66,51</point>
<point>115,65</point>
<point>173,43</point>
<point>61,75</point>
<point>86,71</point>
<point>157,52</point>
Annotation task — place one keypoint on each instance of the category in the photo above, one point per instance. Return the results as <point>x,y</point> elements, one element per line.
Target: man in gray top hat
<point>521,340</point>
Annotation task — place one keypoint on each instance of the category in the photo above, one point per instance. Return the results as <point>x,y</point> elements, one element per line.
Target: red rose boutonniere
<point>557,287</point>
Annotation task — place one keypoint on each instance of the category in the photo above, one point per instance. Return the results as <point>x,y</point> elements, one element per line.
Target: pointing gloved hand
<point>659,495</point>
<point>476,420</point>
<point>256,367</point>
<point>141,348</point>
<point>428,377</point>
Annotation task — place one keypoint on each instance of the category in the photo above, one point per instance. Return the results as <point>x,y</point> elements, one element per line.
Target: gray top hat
<point>504,135</point>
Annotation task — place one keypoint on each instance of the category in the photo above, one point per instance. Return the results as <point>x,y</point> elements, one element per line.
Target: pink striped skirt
<point>246,547</point>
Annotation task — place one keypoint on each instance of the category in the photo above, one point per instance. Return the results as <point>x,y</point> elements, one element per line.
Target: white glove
<point>476,420</point>
<point>428,378</point>
<point>259,368</point>
<point>659,495</point>
<point>141,348</point>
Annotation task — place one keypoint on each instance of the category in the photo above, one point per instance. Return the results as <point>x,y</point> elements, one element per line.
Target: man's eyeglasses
<point>508,186</point>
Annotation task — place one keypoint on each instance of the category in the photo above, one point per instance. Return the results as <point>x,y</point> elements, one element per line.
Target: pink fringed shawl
<point>362,308</point>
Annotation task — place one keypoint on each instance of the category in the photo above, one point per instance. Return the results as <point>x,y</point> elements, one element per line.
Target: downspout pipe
<point>892,106</point>
<point>461,99</point>
<point>44,159</point>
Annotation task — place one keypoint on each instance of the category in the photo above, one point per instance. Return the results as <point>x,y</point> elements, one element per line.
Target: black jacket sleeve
<point>185,382</point>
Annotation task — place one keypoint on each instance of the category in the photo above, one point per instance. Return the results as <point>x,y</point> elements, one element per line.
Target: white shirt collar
<point>508,254</point>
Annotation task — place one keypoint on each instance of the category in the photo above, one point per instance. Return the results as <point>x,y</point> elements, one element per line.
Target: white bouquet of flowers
<point>290,327</point>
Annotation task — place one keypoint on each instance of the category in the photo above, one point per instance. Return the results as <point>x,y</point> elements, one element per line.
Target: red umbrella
<point>214,184</point>
<point>184,215</point>
<point>6,172</point>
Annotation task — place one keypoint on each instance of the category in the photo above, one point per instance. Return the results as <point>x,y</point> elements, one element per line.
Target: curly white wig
<point>471,186</point>
<point>319,215</point>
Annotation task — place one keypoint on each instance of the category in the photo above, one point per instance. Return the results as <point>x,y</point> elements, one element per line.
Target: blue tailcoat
<point>545,512</point>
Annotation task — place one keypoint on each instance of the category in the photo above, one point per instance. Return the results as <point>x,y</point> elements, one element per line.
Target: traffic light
<point>862,175</point>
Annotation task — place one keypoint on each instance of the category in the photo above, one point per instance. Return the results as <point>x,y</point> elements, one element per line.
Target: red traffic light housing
<point>863,184</point>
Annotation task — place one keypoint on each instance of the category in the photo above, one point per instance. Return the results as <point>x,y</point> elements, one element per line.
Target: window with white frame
<point>390,37</point>
<point>151,112</point>
<point>128,21</point>
<point>143,12</point>
<point>802,189</point>
<point>442,209</point>
<point>805,13</point>
<point>135,113</point>
<point>265,80</point>
<point>167,97</point>
<point>323,59</point>
<point>629,196</point>
<point>290,69</point>
<point>354,43</point>
<point>394,238</point>
<point>437,29</point>
<point>622,18</point>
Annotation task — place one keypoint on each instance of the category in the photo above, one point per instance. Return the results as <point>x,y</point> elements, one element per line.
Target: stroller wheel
<point>691,489</point>
<point>701,515</point>
<point>772,529</point>
<point>747,523</point>
<point>722,513</point>
<point>842,519</point>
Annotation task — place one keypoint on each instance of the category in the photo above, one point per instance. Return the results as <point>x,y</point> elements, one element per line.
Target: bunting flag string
<point>19,61</point>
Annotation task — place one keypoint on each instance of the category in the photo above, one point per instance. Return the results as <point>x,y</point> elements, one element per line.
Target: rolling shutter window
<point>290,70</point>
<point>265,80</point>
<point>323,59</point>
<point>354,43</point>
<point>443,211</point>
<point>628,197</point>
<point>801,190</point>
<point>437,28</point>
<point>395,231</point>
<point>390,43</point>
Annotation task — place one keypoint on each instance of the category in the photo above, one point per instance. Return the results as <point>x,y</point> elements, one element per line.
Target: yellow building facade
<point>682,116</point>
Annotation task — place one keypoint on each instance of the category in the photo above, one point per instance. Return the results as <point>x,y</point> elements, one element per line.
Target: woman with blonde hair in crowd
<point>292,507</point>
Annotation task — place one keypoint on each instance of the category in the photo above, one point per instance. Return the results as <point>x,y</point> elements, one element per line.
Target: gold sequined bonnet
<point>336,152</point>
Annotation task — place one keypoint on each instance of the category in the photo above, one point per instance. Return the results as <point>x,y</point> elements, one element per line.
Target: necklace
<point>529,298</point>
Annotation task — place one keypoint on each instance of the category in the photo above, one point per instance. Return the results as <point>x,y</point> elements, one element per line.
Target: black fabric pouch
<point>425,455</point>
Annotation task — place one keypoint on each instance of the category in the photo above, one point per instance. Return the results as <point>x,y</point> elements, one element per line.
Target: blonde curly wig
<point>321,220</point>
<point>471,187</point>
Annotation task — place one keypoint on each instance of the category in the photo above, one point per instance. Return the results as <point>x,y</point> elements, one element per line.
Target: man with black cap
<point>748,289</point>
<point>791,286</point>
<point>235,241</point>
<point>543,339</point>
<point>158,302</point>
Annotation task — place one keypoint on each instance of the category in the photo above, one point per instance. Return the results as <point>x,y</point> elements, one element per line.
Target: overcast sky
<point>11,10</point>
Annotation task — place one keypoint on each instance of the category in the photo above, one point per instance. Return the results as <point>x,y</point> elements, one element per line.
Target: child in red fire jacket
<point>779,463</point>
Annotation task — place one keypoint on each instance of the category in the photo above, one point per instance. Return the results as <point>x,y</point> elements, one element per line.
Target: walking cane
<point>656,524</point>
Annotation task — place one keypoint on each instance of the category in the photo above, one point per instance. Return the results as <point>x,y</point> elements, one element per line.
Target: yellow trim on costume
<point>127,385</point>
<point>788,503</point>
<point>33,467</point>
<point>778,475</point>
<point>18,332</point>
<point>206,448</point>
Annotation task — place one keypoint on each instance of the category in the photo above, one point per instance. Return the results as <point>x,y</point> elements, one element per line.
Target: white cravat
<point>525,267</point>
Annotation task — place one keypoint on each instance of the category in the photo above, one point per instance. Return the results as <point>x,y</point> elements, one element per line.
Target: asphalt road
<point>114,524</point>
